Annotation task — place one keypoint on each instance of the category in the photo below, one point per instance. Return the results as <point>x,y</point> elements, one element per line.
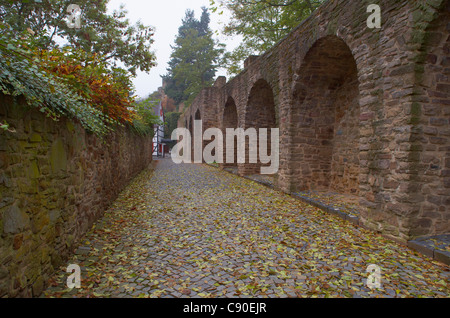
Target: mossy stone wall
<point>56,180</point>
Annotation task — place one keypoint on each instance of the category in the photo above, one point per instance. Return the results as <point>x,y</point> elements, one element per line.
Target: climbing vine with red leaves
<point>108,89</point>
<point>70,82</point>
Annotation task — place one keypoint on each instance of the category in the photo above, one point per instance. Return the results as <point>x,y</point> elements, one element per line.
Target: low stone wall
<point>56,180</point>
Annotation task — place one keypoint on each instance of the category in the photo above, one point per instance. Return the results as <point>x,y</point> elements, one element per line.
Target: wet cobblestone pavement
<point>196,231</point>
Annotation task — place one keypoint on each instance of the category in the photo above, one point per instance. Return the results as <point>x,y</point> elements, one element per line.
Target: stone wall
<point>56,180</point>
<point>431,129</point>
<point>361,111</point>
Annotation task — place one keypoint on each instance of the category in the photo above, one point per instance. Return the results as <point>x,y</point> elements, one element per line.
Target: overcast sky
<point>165,16</point>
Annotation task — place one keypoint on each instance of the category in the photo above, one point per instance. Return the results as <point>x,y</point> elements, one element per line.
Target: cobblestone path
<point>196,231</point>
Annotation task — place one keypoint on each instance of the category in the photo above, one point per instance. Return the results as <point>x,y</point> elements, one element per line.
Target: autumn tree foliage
<point>260,24</point>
<point>168,104</point>
<point>88,74</point>
<point>71,80</point>
<point>110,36</point>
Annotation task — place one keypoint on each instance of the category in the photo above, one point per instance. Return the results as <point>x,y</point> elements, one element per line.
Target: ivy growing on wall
<point>22,74</point>
<point>68,82</point>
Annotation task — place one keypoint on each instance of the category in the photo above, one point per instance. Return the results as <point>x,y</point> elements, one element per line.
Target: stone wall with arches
<point>361,111</point>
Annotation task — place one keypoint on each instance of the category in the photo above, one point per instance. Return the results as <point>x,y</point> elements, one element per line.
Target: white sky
<point>165,16</point>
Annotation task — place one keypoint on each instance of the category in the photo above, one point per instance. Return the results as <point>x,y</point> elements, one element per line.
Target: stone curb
<point>326,208</point>
<point>260,182</point>
<point>422,246</point>
<point>246,177</point>
<point>351,218</point>
<point>417,245</point>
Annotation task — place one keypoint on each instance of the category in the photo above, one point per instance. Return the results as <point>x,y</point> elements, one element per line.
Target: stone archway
<point>230,120</point>
<point>198,116</point>
<point>191,132</point>
<point>191,126</point>
<point>260,113</point>
<point>325,119</point>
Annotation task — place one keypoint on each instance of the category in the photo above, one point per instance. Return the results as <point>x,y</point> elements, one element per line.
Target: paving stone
<point>186,249</point>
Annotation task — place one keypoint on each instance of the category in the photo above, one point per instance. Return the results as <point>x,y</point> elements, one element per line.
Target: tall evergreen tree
<point>194,59</point>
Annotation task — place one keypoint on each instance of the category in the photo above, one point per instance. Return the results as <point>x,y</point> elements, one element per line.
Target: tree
<point>171,120</point>
<point>44,87</point>
<point>194,59</point>
<point>146,116</point>
<point>261,23</point>
<point>110,36</point>
<point>68,81</point>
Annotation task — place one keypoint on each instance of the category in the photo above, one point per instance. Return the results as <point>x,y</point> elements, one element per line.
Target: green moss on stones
<point>1,222</point>
<point>415,109</point>
<point>70,126</point>
<point>414,121</point>
<point>38,286</point>
<point>14,220</point>
<point>40,222</point>
<point>33,170</point>
<point>70,240</point>
<point>332,27</point>
<point>377,92</point>
<point>35,138</point>
<point>18,110</point>
<point>78,142</point>
<point>25,145</point>
<point>34,269</point>
<point>58,156</point>
<point>416,147</point>
<point>56,260</point>
<point>414,156</point>
<point>359,14</point>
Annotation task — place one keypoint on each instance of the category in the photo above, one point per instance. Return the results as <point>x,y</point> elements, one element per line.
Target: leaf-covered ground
<point>196,231</point>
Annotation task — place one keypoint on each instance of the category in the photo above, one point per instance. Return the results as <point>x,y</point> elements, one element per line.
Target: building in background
<point>159,146</point>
